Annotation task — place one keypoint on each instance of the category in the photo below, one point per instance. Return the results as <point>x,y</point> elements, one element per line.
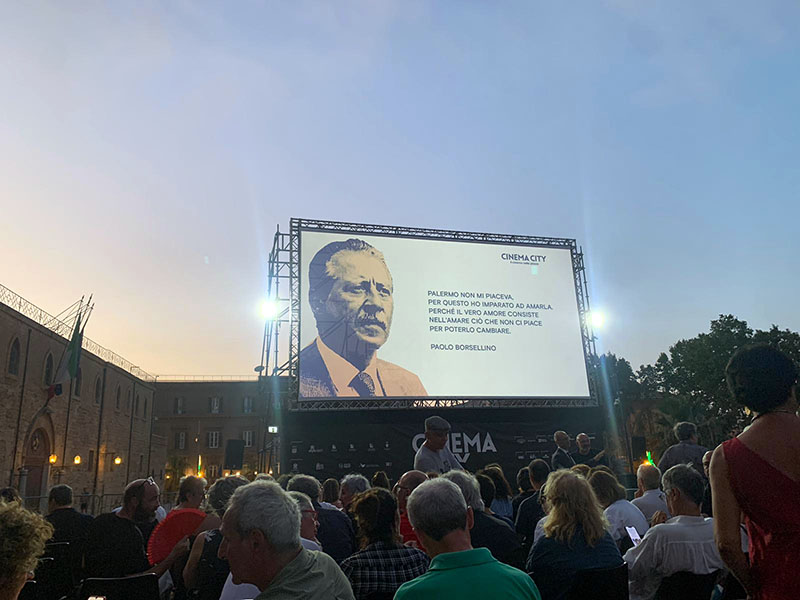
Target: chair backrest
<point>600,584</point>
<point>29,591</point>
<point>687,586</point>
<point>138,587</point>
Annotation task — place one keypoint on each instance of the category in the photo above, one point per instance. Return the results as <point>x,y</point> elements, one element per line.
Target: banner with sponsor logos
<point>335,449</point>
<point>410,317</point>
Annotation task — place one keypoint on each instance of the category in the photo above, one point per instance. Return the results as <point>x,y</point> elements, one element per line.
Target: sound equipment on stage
<point>234,455</point>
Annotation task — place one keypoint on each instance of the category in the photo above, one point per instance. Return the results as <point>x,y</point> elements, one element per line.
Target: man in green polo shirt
<point>261,541</point>
<point>441,519</point>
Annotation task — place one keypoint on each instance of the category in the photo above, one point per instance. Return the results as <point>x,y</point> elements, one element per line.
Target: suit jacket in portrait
<point>316,382</point>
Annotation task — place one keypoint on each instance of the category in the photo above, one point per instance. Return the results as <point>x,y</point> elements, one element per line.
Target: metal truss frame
<point>284,265</point>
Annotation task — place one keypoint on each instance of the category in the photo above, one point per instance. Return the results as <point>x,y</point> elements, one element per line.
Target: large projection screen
<point>414,317</point>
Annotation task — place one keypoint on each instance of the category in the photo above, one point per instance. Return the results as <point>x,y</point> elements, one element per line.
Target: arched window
<point>136,406</point>
<point>98,390</point>
<point>144,412</point>
<point>76,388</point>
<point>128,406</point>
<point>48,369</point>
<point>13,358</point>
<point>119,393</point>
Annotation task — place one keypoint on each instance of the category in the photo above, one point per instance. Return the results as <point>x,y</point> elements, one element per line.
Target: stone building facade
<point>199,416</point>
<point>106,413</point>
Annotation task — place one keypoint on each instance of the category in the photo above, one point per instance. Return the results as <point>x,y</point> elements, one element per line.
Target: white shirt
<point>623,514</point>
<point>650,502</point>
<point>539,530</point>
<point>342,371</point>
<point>241,591</point>
<point>681,544</point>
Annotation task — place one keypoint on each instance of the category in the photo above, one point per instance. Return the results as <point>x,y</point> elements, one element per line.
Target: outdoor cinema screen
<point>406,317</point>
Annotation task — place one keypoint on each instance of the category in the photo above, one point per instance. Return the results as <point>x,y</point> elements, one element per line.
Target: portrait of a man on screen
<point>350,291</point>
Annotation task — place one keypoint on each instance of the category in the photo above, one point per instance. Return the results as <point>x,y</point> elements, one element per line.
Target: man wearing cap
<point>434,455</point>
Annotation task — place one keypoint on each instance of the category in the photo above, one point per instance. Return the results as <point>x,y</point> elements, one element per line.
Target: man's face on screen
<point>361,297</point>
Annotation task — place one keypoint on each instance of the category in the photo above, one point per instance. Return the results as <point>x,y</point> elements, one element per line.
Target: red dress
<point>770,501</point>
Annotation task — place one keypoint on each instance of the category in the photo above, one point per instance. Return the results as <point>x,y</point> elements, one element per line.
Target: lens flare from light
<point>269,309</point>
<point>597,319</point>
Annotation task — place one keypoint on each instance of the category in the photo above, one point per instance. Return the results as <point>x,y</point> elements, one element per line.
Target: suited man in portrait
<point>351,296</point>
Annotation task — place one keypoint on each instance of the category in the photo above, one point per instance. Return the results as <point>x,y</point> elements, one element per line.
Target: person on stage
<point>351,296</point>
<point>434,455</point>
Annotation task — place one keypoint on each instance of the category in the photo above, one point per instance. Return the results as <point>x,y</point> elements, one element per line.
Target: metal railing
<point>59,327</point>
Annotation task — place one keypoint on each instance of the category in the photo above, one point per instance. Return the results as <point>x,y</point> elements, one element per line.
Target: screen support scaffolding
<point>284,278</point>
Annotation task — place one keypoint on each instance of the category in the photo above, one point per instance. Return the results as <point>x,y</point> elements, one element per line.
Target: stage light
<point>53,458</point>
<point>597,319</point>
<point>272,429</point>
<point>269,309</point>
<point>117,460</point>
<point>77,459</point>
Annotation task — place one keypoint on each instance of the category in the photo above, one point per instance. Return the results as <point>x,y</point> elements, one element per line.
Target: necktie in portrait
<point>363,384</point>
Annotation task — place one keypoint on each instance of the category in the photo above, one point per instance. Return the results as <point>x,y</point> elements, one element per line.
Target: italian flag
<point>68,367</point>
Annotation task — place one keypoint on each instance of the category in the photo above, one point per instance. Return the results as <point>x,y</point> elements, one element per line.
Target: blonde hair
<point>573,506</point>
<point>23,534</point>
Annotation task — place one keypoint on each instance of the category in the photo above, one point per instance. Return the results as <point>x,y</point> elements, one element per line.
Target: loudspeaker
<point>234,455</point>
<point>638,447</point>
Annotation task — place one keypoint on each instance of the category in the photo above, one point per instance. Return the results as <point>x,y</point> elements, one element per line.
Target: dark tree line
<point>686,383</point>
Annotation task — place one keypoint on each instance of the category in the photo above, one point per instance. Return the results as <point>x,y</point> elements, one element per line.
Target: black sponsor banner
<point>338,445</point>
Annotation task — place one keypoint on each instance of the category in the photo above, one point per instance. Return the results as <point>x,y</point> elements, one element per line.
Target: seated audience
<point>649,497</point>
<point>69,525</point>
<point>707,506</point>
<point>501,506</point>
<point>261,541</point>
<point>115,547</point>
<point>684,543</point>
<point>383,564</point>
<point>531,511</point>
<point>23,535</point>
<point>309,524</point>
<point>487,531</point>
<point>488,492</point>
<point>350,485</point>
<point>330,493</point>
<point>204,571</point>
<point>581,469</point>
<point>10,494</point>
<point>335,532</point>
<point>757,475</point>
<point>402,489</point>
<point>381,479</point>
<point>686,451</point>
<point>191,492</point>
<point>575,536</point>
<point>442,520</point>
<point>524,490</point>
<point>283,480</point>
<point>619,512</point>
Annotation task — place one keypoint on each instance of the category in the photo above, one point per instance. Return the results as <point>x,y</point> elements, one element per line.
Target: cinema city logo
<point>534,261</point>
<point>461,443</point>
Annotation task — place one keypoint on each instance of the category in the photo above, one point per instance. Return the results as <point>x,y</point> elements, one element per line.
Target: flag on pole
<point>68,367</point>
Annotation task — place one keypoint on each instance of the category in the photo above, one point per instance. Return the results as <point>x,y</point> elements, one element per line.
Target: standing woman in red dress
<point>756,476</point>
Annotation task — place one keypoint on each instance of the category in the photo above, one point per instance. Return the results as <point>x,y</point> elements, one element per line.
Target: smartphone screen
<point>634,535</point>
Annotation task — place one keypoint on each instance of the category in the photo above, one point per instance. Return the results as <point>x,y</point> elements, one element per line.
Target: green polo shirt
<point>469,574</point>
<point>311,576</point>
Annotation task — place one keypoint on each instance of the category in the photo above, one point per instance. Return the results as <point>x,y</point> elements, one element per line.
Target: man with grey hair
<point>561,458</point>
<point>488,531</point>
<point>443,520</point>
<point>351,293</point>
<point>684,543</point>
<point>649,497</point>
<point>686,451</point>
<point>434,455</point>
<point>335,533</point>
<point>261,542</point>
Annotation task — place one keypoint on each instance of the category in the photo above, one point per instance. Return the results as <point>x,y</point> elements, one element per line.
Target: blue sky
<point>148,152</point>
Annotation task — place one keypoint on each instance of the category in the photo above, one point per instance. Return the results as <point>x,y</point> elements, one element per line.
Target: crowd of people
<point>442,532</point>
